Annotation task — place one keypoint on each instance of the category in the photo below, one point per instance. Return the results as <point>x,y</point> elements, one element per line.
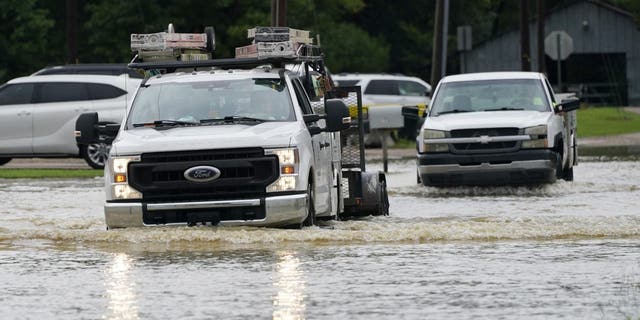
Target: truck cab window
<point>302,98</point>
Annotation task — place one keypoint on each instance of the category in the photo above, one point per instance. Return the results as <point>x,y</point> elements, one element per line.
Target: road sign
<point>558,44</point>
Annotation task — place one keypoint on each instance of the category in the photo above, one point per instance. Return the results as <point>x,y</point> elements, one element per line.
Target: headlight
<point>538,136</point>
<point>434,146</point>
<point>289,161</point>
<point>121,189</point>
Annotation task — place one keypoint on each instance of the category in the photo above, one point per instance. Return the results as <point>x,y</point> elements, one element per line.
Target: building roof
<point>561,6</point>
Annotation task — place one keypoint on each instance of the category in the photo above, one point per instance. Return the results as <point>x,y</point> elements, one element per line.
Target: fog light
<point>123,191</point>
<point>284,183</point>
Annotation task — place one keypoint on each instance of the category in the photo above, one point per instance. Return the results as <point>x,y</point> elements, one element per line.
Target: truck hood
<point>267,134</point>
<point>488,119</point>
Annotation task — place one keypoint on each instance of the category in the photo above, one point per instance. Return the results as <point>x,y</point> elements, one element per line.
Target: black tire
<point>4,161</point>
<point>558,165</point>
<point>310,220</point>
<point>95,154</point>
<point>567,174</point>
<point>383,209</point>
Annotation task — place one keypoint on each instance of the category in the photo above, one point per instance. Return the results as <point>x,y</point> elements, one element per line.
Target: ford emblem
<point>202,174</point>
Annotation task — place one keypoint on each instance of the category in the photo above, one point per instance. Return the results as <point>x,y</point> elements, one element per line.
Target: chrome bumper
<point>279,211</point>
<point>516,172</point>
<point>487,167</point>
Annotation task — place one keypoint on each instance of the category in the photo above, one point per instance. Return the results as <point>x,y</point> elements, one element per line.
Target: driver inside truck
<point>528,97</point>
<point>269,105</point>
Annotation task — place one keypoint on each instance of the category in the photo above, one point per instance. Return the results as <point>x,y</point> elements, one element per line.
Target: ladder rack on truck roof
<point>226,63</point>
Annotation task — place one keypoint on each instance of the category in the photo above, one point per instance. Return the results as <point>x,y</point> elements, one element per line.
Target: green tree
<point>23,37</point>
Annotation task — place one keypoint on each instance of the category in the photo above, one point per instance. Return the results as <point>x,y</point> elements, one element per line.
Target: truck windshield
<point>490,95</point>
<point>204,102</point>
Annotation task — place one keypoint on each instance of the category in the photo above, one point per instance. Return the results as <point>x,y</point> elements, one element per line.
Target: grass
<point>48,173</point>
<point>606,121</point>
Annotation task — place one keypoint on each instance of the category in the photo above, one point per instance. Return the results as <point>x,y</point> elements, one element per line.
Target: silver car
<point>38,114</point>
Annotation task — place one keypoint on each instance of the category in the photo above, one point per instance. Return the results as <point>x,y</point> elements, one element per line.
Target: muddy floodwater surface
<point>569,249</point>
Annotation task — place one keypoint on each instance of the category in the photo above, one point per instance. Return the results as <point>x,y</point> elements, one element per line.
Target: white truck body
<point>483,130</point>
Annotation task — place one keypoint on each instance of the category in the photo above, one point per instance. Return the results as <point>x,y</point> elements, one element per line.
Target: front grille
<point>505,146</point>
<point>244,173</point>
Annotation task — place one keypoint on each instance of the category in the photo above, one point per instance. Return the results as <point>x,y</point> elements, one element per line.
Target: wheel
<point>4,160</point>
<point>383,209</point>
<point>567,174</point>
<point>558,165</point>
<point>96,154</point>
<point>311,211</point>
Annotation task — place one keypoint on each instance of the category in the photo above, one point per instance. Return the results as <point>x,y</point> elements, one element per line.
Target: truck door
<point>322,157</point>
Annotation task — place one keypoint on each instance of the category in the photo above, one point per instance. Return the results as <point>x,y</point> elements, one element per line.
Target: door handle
<point>324,145</point>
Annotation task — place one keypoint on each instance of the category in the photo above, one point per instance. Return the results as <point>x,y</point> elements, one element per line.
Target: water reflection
<point>120,288</point>
<point>289,301</point>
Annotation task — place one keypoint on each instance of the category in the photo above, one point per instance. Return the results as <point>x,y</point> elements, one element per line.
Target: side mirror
<point>86,131</point>
<point>567,105</point>
<point>313,130</point>
<point>338,117</point>
<point>310,118</point>
<point>108,131</point>
<point>410,112</point>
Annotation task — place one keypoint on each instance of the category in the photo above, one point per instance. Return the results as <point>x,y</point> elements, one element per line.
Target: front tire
<point>383,209</point>
<point>567,174</point>
<point>4,161</point>
<point>311,210</point>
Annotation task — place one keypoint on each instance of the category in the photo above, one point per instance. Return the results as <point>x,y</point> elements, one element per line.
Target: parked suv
<point>384,95</point>
<point>384,89</point>
<point>107,69</point>
<point>497,128</point>
<point>38,114</point>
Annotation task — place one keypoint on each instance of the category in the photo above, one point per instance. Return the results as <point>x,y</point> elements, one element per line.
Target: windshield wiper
<point>504,109</point>
<point>165,123</point>
<point>453,111</point>
<point>232,119</point>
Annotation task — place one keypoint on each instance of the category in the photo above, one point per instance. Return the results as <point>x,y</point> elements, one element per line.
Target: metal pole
<point>437,45</point>
<point>445,37</point>
<point>279,13</point>
<point>72,30</point>
<point>541,57</point>
<point>525,48</point>
<point>559,63</point>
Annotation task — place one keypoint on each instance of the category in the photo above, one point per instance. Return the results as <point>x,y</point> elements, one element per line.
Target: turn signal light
<point>287,169</point>
<point>120,178</point>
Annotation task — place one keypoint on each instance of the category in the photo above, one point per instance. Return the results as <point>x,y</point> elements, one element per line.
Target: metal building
<point>604,66</point>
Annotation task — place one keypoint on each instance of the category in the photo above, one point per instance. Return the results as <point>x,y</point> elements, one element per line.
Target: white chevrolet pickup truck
<point>497,128</point>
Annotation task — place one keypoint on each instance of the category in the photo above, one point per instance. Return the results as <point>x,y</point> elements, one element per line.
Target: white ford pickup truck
<point>497,128</point>
<point>235,142</point>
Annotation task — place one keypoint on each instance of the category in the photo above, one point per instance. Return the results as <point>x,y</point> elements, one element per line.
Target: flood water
<point>566,250</point>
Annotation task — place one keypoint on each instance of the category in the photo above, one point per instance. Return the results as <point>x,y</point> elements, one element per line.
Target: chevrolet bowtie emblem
<point>485,139</point>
